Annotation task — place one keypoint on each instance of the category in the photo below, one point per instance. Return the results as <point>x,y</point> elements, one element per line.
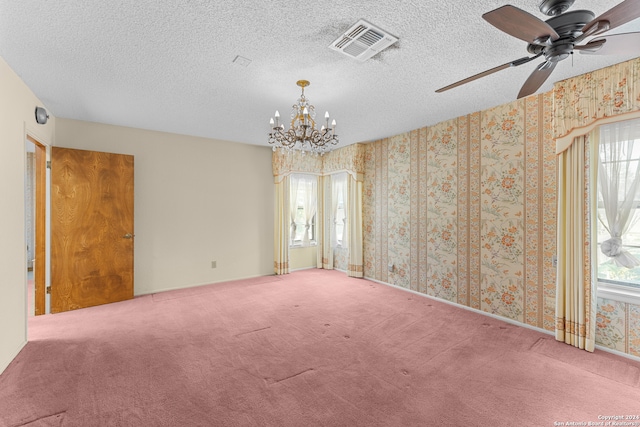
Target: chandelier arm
<point>289,139</point>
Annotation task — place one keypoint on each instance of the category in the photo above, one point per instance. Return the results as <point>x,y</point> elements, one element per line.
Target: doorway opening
<point>35,224</point>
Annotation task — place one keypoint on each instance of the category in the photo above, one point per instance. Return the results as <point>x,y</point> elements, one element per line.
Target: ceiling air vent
<point>363,40</point>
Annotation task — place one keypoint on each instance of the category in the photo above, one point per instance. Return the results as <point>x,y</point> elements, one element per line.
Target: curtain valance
<point>348,159</point>
<point>583,102</point>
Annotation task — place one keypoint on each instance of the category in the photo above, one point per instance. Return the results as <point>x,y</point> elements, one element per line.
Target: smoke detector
<point>362,41</point>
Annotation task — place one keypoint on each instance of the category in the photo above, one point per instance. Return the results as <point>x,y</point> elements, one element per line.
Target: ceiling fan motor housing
<point>554,7</point>
<point>558,51</point>
<point>568,26</point>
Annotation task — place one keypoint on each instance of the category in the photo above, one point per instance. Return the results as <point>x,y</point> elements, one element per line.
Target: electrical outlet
<point>213,264</point>
<point>554,261</point>
<point>390,266</point>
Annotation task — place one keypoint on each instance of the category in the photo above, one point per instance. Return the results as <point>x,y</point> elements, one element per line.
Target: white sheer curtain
<point>619,186</point>
<point>294,181</point>
<point>309,204</point>
<point>338,193</point>
<point>304,192</point>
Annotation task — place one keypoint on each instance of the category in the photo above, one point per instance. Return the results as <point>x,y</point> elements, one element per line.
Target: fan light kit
<point>303,135</point>
<point>559,36</point>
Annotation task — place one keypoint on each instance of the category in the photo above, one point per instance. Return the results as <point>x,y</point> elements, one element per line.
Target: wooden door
<point>91,228</point>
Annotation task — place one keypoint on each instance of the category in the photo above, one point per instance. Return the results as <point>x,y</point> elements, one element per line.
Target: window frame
<point>617,290</point>
<point>298,243</point>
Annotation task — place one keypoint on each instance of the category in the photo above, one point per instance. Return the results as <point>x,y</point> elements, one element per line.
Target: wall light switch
<point>390,268</point>
<point>213,264</point>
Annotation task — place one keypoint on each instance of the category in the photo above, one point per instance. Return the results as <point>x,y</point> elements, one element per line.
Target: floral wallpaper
<point>465,210</point>
<point>618,326</point>
<point>441,208</point>
<point>341,258</point>
<point>633,327</point>
<point>611,324</point>
<point>502,207</point>
<point>398,208</point>
<point>448,209</point>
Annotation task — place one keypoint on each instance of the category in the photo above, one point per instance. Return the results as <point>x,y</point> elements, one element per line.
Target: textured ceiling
<point>168,65</point>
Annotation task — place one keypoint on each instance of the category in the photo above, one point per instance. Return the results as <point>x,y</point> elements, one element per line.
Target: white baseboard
<point>301,269</point>
<point>195,285</point>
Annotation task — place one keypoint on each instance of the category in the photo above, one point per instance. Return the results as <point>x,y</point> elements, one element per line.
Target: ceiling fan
<point>557,37</point>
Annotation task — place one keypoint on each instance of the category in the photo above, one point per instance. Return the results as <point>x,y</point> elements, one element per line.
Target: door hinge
<point>49,290</point>
<point>48,164</point>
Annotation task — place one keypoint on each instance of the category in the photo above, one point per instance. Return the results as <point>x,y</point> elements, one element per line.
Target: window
<point>304,190</point>
<point>339,204</point>
<point>618,211</point>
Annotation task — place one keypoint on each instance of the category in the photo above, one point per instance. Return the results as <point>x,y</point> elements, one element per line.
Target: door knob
<point>128,236</point>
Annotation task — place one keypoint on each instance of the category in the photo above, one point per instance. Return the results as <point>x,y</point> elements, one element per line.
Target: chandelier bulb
<point>333,123</point>
<point>271,122</point>
<point>326,115</point>
<point>277,114</point>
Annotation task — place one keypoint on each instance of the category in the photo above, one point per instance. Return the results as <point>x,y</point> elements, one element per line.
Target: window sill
<point>618,293</point>
<point>311,245</point>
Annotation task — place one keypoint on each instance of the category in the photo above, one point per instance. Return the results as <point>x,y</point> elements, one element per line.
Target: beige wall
<point>196,200</point>
<point>301,258</point>
<point>17,106</point>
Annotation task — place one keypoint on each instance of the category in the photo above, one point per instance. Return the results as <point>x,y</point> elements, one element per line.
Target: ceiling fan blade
<point>475,77</point>
<point>490,71</point>
<point>614,44</point>
<point>618,15</point>
<point>537,78</point>
<point>592,47</point>
<point>521,24</point>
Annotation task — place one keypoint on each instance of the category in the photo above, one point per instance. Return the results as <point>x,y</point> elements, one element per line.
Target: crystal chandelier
<point>303,135</point>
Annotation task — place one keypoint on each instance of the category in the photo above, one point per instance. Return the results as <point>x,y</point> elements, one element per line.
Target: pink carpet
<point>313,348</point>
